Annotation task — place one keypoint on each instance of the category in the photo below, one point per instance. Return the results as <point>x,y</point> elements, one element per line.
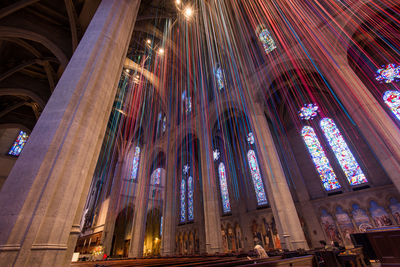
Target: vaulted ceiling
<point>37,39</point>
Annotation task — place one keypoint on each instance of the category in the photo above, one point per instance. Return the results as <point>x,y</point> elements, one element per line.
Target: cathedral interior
<point>163,129</point>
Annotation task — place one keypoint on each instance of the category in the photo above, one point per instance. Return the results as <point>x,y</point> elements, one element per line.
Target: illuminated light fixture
<point>161,51</point>
<point>188,12</point>
<point>121,111</point>
<point>127,71</point>
<point>136,79</point>
<point>148,41</point>
<point>178,2</point>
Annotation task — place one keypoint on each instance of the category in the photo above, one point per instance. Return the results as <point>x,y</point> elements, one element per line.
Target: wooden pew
<point>242,262</point>
<point>302,261</point>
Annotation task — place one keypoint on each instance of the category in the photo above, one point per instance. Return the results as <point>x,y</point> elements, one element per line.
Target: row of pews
<point>210,261</point>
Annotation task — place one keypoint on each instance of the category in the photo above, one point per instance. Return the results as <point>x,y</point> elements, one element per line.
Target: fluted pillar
<point>212,213</point>
<point>169,209</point>
<point>141,201</point>
<point>279,196</point>
<point>42,196</point>
<point>112,211</point>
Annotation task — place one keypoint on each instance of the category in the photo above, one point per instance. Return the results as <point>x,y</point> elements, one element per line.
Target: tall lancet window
<point>135,163</point>
<point>392,100</point>
<point>255,173</point>
<point>186,102</point>
<point>186,195</point>
<point>183,200</point>
<point>349,165</point>
<point>321,162</point>
<point>190,198</point>
<point>266,39</point>
<point>226,206</point>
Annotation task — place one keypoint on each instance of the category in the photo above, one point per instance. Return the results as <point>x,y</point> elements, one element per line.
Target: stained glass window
<point>219,76</point>
<point>156,177</point>
<point>226,206</point>
<point>135,164</point>
<point>308,112</point>
<point>190,198</point>
<point>392,99</point>
<point>388,73</point>
<point>164,124</point>
<point>19,144</point>
<point>183,200</point>
<point>216,154</point>
<point>186,169</point>
<point>266,40</point>
<point>250,138</point>
<point>350,167</point>
<point>256,177</point>
<point>321,162</point>
<point>186,102</point>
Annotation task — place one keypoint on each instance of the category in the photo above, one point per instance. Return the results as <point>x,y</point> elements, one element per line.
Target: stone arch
<point>13,32</point>
<point>122,234</point>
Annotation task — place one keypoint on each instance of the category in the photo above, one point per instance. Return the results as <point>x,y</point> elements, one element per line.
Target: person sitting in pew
<point>260,251</point>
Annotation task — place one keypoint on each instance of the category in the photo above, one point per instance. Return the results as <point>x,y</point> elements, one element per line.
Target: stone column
<point>212,222</point>
<point>112,211</point>
<point>283,208</point>
<point>42,196</point>
<point>308,211</point>
<point>169,209</point>
<point>141,200</point>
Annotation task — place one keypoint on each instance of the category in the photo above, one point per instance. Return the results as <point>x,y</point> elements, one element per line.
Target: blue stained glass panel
<point>156,177</point>
<point>190,198</point>
<point>226,206</point>
<point>349,165</point>
<point>256,177</point>
<point>219,76</point>
<point>183,200</point>
<point>135,163</point>
<point>392,100</point>
<point>19,144</point>
<point>321,162</point>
